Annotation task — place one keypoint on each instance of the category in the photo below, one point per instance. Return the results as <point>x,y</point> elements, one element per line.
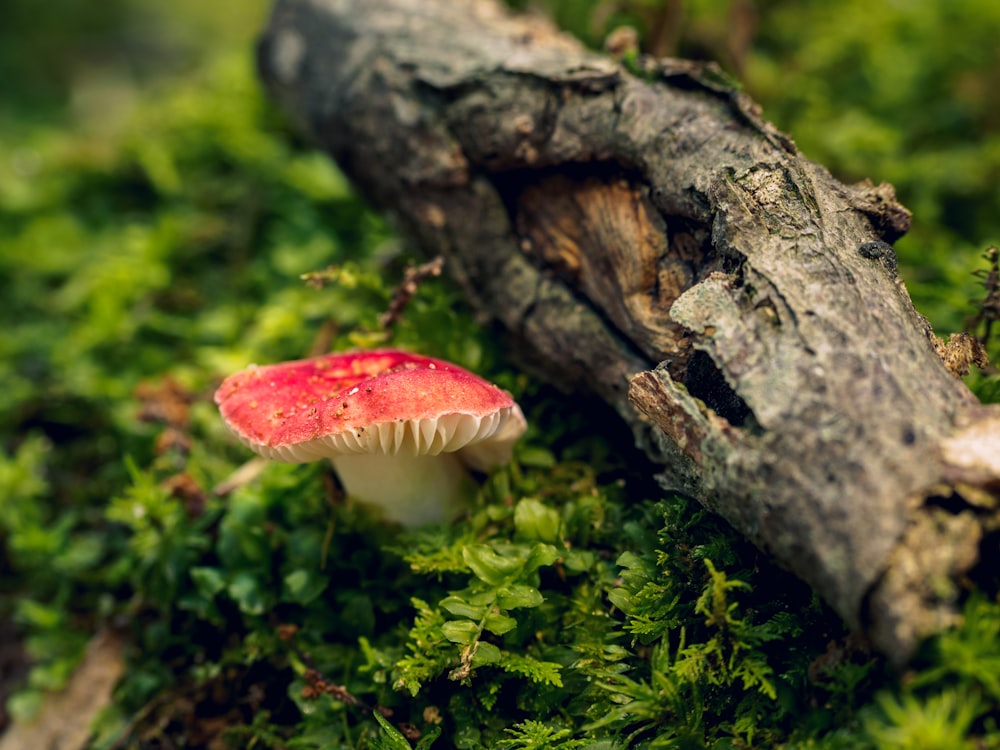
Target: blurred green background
<point>54,62</point>
<point>901,92</point>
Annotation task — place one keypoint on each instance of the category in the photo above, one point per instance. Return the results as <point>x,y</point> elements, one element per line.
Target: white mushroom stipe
<point>423,489</point>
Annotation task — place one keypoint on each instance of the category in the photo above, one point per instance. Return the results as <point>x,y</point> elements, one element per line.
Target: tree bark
<point>642,233</point>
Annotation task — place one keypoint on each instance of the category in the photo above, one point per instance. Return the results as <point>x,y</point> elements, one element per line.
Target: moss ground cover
<point>156,243</point>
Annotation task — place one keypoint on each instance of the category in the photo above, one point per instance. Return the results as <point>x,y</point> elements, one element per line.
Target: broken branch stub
<point>650,238</point>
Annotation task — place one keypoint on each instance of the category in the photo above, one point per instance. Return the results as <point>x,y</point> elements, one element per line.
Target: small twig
<point>334,496</point>
<point>988,311</point>
<point>319,279</point>
<point>137,718</point>
<point>317,683</point>
<point>665,26</point>
<point>413,277</point>
<point>243,475</point>
<point>323,338</point>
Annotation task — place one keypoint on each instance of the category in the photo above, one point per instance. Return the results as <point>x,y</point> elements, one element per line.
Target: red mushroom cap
<point>381,401</point>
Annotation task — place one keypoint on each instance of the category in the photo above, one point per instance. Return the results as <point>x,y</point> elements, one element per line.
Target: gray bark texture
<point>642,233</point>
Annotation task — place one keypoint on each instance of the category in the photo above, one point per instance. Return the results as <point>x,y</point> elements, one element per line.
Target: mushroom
<point>401,429</point>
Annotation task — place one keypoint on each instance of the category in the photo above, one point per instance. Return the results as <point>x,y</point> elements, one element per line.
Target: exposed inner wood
<point>606,240</point>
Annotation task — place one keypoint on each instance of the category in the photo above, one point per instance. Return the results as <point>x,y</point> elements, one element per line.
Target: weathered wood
<point>650,238</point>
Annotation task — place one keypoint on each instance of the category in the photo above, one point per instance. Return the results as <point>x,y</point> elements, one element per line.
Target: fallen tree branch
<point>650,238</point>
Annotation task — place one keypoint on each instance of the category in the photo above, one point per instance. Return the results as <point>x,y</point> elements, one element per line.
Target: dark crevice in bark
<point>986,574</point>
<point>952,503</point>
<point>705,381</point>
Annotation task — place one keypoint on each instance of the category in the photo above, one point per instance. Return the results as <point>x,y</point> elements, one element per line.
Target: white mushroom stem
<point>411,490</point>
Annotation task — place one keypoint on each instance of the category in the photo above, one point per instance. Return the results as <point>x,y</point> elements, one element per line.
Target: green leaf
<point>428,739</point>
<point>460,631</point>
<point>535,457</point>
<point>302,586</point>
<point>519,595</point>
<point>463,608</point>
<point>24,705</point>
<point>541,556</point>
<point>485,653</point>
<point>389,738</point>
<point>208,581</point>
<point>488,566</point>
<point>536,521</point>
<point>499,624</point>
<point>246,592</point>
<point>38,615</point>
<point>578,560</point>
<point>622,599</point>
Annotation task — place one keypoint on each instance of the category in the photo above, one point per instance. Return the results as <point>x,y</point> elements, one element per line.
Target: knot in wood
<point>879,250</point>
